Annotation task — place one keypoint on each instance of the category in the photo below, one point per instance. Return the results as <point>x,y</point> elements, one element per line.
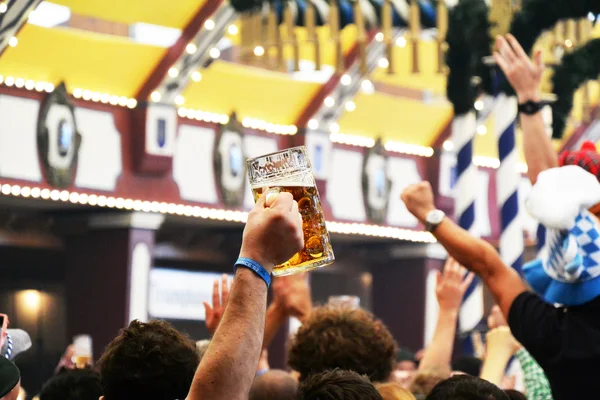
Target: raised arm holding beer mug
<point>273,234</point>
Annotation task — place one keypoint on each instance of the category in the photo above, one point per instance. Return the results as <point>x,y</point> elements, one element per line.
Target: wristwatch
<point>433,219</point>
<point>531,107</point>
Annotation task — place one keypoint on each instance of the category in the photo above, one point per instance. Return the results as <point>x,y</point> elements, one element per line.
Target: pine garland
<point>576,68</point>
<point>537,16</point>
<point>468,41</point>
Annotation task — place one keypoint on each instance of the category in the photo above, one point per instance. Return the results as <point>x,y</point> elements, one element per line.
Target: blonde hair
<point>393,391</point>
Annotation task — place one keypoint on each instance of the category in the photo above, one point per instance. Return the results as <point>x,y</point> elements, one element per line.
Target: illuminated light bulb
<point>334,127</point>
<point>313,124</point>
<point>293,129</point>
<point>481,130</point>
<point>86,95</point>
<point>179,100</point>
<point>36,192</point>
<point>29,84</point>
<point>173,72</point>
<point>110,202</point>
<point>13,42</point>
<point>367,86</point>
<point>102,201</point>
<point>196,76</point>
<point>74,197</point>
<point>329,101</point>
<point>191,48</point>
<point>83,198</point>
<point>138,205</point>
<point>55,195</point>
<point>96,97</point>
<point>179,209</point>
<point>104,98</point>
<point>383,63</point>
<point>379,36</point>
<point>123,101</point>
<point>39,86</point>
<point>9,81</point>
<point>346,80</point>
<point>131,103</point>
<point>401,41</point>
<point>49,87</point>
<point>114,100</point>
<point>233,30</point>
<point>77,93</point>
<point>64,195</point>
<point>171,208</point>
<point>350,106</point>
<point>20,82</point>
<point>214,53</point>
<point>209,24</point>
<point>568,43</point>
<point>3,8</point>
<point>182,112</point>
<point>223,119</point>
<point>92,199</point>
<point>155,96</point>
<point>120,203</point>
<point>128,205</point>
<point>479,105</point>
<point>259,51</point>
<point>15,190</point>
<point>146,206</point>
<point>25,191</point>
<point>163,207</point>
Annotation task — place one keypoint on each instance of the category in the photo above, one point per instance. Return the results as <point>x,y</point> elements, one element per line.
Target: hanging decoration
<point>576,68</point>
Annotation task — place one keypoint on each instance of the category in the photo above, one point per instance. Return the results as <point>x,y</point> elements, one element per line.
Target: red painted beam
<point>314,104</point>
<point>175,51</point>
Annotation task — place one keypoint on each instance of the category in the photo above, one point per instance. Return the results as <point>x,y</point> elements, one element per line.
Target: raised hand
<point>273,232</point>
<point>452,284</point>
<point>524,75</point>
<point>418,199</point>
<point>292,293</point>
<point>219,301</point>
<point>501,340</point>
<point>496,319</point>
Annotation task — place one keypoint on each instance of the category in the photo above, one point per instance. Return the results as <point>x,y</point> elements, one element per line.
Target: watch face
<point>435,217</point>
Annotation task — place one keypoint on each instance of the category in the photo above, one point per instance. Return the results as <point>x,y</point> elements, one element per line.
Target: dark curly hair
<point>466,387</point>
<point>350,339</point>
<point>150,361</point>
<point>337,385</point>
<point>79,384</point>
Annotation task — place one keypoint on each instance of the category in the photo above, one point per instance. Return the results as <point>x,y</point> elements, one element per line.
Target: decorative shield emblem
<point>230,165</point>
<point>58,138</point>
<point>376,183</point>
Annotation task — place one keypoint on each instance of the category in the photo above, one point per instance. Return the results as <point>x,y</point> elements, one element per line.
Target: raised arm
<point>525,76</point>
<point>450,289</point>
<point>475,254</point>
<point>272,235</point>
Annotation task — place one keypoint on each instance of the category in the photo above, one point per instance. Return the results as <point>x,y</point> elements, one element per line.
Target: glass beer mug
<point>290,171</point>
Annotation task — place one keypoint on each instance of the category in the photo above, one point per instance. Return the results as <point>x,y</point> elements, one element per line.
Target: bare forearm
<point>439,352</point>
<point>539,152</point>
<point>275,318</point>
<point>494,365</point>
<point>227,369</point>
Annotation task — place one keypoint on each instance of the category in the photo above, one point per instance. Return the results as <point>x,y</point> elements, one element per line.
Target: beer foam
<point>281,184</point>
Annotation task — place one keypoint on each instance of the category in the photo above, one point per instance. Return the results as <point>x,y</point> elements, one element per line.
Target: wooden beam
<point>175,51</point>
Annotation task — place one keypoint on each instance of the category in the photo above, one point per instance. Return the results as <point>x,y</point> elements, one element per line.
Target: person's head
<point>466,387</point>
<point>337,384</point>
<point>10,380</point>
<point>425,381</point>
<point>78,384</point>
<point>349,339</point>
<point>150,361</point>
<point>274,385</point>
<point>393,391</point>
<point>467,365</point>
<point>515,395</point>
<point>405,360</point>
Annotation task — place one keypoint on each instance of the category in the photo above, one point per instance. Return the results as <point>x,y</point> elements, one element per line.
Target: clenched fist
<point>418,199</point>
<point>273,232</point>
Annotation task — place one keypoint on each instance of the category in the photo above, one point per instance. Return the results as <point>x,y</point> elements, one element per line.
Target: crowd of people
<point>548,335</point>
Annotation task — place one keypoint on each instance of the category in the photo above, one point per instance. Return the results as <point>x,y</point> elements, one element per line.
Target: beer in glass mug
<point>290,171</point>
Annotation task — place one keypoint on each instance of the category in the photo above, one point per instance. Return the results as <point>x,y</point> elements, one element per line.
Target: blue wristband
<point>254,266</point>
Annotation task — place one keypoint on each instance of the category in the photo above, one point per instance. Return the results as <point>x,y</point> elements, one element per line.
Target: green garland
<point>576,68</point>
<point>537,16</point>
<point>468,41</point>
